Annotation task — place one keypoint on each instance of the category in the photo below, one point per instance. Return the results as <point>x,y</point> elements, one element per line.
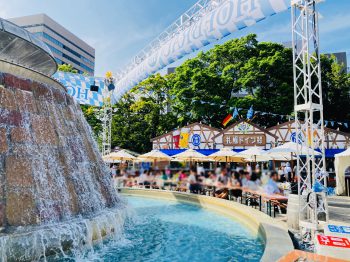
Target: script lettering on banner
<point>333,241</point>
<point>244,140</point>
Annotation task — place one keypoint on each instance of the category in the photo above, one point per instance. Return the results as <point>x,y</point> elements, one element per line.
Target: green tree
<point>204,89</point>
<point>67,68</point>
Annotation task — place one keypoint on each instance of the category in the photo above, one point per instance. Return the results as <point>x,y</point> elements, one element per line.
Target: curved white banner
<point>230,16</point>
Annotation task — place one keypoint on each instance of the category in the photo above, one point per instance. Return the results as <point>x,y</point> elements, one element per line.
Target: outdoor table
<point>274,197</point>
<point>268,198</point>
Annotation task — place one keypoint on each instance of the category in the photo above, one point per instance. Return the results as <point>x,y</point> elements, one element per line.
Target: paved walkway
<point>339,209</point>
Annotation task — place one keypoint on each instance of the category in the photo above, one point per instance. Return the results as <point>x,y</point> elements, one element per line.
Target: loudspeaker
<point>111,87</point>
<point>94,88</point>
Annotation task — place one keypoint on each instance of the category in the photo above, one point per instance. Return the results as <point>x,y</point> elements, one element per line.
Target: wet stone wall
<point>50,167</point>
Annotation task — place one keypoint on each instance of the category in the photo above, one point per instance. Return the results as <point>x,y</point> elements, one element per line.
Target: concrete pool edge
<point>275,236</point>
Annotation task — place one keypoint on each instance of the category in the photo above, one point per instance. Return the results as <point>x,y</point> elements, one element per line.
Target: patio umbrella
<point>226,155</point>
<point>190,155</point>
<point>121,155</point>
<point>288,151</point>
<point>154,155</point>
<point>254,154</point>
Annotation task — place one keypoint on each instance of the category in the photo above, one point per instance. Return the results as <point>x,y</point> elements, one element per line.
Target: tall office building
<point>66,47</point>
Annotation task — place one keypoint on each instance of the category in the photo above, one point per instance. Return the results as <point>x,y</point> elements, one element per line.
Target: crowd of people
<point>197,180</point>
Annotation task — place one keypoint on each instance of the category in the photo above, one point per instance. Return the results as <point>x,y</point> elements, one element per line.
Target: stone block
<point>20,135</point>
<point>7,99</point>
<point>9,80</point>
<point>3,141</point>
<point>10,118</point>
<point>24,84</point>
<point>20,209</point>
<point>43,130</point>
<point>41,91</point>
<point>25,101</point>
<point>59,96</point>
<point>18,172</point>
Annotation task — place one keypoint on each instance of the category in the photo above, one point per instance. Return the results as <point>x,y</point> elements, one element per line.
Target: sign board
<point>331,246</point>
<point>244,140</point>
<point>331,241</point>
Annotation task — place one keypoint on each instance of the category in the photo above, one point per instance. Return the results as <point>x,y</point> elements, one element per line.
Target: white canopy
<point>190,155</point>
<point>154,155</point>
<point>226,155</point>
<point>288,151</point>
<point>341,163</point>
<point>254,154</point>
<point>121,155</point>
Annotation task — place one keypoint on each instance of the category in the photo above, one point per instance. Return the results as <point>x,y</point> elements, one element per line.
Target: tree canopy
<point>207,87</point>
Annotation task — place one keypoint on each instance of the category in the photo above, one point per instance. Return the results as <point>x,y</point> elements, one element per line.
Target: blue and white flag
<point>235,113</point>
<point>78,86</point>
<point>250,113</point>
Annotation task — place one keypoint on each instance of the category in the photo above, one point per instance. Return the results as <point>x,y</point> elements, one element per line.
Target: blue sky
<point>118,29</point>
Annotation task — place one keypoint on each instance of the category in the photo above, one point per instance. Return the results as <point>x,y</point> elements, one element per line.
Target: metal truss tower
<point>313,209</point>
<point>107,114</point>
<point>186,20</point>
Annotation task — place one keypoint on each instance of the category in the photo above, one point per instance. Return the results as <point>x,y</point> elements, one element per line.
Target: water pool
<point>172,231</point>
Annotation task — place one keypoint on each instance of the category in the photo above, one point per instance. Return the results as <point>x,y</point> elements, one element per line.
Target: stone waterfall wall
<point>50,167</point>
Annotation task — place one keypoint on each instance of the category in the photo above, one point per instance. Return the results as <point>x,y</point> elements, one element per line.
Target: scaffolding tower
<point>313,209</point>
<point>107,112</point>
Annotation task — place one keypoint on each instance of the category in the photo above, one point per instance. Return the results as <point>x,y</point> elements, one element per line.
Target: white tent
<point>341,163</point>
<point>288,151</point>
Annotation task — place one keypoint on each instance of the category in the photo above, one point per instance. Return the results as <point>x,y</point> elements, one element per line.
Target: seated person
<point>222,182</point>
<point>271,187</point>
<point>244,178</point>
<point>143,179</point>
<point>194,186</point>
<point>254,183</point>
<point>236,180</point>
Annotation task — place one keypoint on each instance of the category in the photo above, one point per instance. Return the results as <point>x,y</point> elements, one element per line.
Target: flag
<point>235,113</point>
<point>227,120</point>
<point>250,113</point>
<point>176,138</point>
<point>184,136</point>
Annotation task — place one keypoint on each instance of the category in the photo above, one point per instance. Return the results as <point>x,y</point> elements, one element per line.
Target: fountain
<point>55,191</point>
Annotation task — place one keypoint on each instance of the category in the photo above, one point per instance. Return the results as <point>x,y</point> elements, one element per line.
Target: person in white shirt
<point>192,181</point>
<point>288,172</point>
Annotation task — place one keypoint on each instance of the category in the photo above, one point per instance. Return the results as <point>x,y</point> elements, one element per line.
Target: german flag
<point>227,120</point>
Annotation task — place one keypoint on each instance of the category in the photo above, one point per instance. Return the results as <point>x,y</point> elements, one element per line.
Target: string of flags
<point>251,114</point>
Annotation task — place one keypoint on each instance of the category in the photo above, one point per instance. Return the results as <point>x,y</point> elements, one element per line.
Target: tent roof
<point>344,154</point>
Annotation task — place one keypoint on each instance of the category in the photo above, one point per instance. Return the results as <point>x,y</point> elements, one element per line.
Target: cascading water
<point>56,196</point>
<point>56,193</point>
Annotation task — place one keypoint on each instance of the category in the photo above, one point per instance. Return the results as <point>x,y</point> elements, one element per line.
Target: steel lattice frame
<point>106,122</point>
<point>199,9</point>
<point>308,115</point>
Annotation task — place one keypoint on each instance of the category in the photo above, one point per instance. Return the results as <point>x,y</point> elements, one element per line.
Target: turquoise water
<point>171,231</point>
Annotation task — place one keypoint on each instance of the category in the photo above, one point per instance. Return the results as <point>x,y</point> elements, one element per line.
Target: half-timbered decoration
<point>243,135</point>
<point>195,136</point>
<point>333,139</point>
